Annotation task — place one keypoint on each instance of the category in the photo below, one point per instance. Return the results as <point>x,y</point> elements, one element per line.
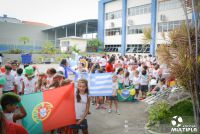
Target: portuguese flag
<point>49,110</point>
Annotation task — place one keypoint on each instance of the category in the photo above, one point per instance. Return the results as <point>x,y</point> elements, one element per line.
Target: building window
<point>112,48</point>
<point>113,31</point>
<point>113,15</point>
<point>138,48</point>
<point>144,9</point>
<point>169,4</point>
<point>169,26</point>
<point>137,29</point>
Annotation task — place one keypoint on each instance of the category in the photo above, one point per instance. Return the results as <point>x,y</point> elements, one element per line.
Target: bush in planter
<point>159,112</point>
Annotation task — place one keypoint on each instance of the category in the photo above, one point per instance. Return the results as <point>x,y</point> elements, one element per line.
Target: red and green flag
<point>49,110</point>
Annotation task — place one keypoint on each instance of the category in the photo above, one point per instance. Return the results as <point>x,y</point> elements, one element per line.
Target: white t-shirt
<point>80,107</point>
<point>144,80</point>
<point>126,81</point>
<point>136,82</point>
<point>61,69</point>
<point>0,59</point>
<point>9,116</point>
<point>103,62</point>
<point>29,86</point>
<point>10,81</point>
<point>19,81</point>
<point>120,78</point>
<point>115,87</point>
<point>14,73</point>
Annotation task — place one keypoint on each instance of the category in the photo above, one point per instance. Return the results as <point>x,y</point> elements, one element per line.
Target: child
<point>29,81</point>
<point>144,81</point>
<point>42,82</point>
<point>127,79</point>
<point>9,86</point>
<point>160,87</point>
<point>114,96</point>
<point>82,106</point>
<point>120,76</point>
<point>19,81</point>
<point>9,103</point>
<point>50,74</point>
<point>136,83</point>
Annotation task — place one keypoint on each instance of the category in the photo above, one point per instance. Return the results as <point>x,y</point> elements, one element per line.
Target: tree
<point>49,48</point>
<point>75,49</point>
<point>94,44</point>
<point>24,39</point>
<point>182,55</point>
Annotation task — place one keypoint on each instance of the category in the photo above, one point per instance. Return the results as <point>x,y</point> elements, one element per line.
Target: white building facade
<point>121,23</point>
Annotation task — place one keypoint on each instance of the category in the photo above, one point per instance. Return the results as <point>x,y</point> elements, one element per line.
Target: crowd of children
<point>143,72</point>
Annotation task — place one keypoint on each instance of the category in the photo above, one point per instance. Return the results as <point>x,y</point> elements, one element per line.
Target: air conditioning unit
<point>162,17</point>
<point>130,22</point>
<point>112,24</point>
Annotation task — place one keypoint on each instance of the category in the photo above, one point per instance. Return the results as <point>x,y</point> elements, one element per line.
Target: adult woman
<point>109,65</point>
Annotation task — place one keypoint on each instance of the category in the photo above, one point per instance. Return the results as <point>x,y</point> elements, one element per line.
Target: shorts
<point>144,88</point>
<point>83,125</point>
<point>113,98</point>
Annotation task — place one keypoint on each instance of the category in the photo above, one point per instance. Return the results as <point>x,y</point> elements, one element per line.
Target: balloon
<point>132,92</point>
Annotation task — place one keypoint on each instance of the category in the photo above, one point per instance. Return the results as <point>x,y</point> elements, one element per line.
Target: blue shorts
<point>83,125</point>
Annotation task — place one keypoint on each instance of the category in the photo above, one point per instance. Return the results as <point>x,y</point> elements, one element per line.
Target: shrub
<point>159,112</point>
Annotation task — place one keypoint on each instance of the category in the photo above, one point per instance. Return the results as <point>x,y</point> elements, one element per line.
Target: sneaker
<point>97,106</point>
<point>109,110</point>
<point>103,106</point>
<point>118,112</point>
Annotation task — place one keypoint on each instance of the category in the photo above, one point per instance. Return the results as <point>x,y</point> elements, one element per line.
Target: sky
<point>52,12</point>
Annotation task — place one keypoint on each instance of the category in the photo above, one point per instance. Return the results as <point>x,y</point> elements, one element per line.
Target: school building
<point>121,23</point>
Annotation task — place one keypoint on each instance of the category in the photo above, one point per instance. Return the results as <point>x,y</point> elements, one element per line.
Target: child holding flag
<point>82,106</point>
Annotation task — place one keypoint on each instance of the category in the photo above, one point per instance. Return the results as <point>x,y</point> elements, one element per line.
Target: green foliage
<point>183,108</point>
<point>49,48</point>
<point>75,49</point>
<point>147,36</point>
<point>94,43</point>
<point>24,39</point>
<point>15,51</point>
<point>159,112</point>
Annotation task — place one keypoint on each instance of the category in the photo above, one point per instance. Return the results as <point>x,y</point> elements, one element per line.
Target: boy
<point>9,103</point>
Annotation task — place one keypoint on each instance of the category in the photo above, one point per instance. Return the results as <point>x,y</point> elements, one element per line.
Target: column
<point>153,26</point>
<point>124,16</point>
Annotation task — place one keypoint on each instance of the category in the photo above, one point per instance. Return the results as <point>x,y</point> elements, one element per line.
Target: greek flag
<point>100,84</point>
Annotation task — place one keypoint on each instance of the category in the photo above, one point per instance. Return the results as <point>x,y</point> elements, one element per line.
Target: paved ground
<point>102,122</point>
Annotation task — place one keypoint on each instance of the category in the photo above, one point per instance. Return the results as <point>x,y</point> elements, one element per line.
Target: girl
<point>114,96</point>
<point>127,79</point>
<point>82,106</point>
<point>136,83</point>
<point>120,76</point>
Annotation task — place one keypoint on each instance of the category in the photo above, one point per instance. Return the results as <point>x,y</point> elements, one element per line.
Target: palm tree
<point>24,39</point>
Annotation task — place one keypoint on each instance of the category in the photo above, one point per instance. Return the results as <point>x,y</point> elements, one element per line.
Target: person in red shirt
<point>7,127</point>
<point>109,65</point>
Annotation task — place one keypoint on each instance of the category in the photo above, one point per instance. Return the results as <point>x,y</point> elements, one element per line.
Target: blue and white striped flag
<point>100,84</point>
